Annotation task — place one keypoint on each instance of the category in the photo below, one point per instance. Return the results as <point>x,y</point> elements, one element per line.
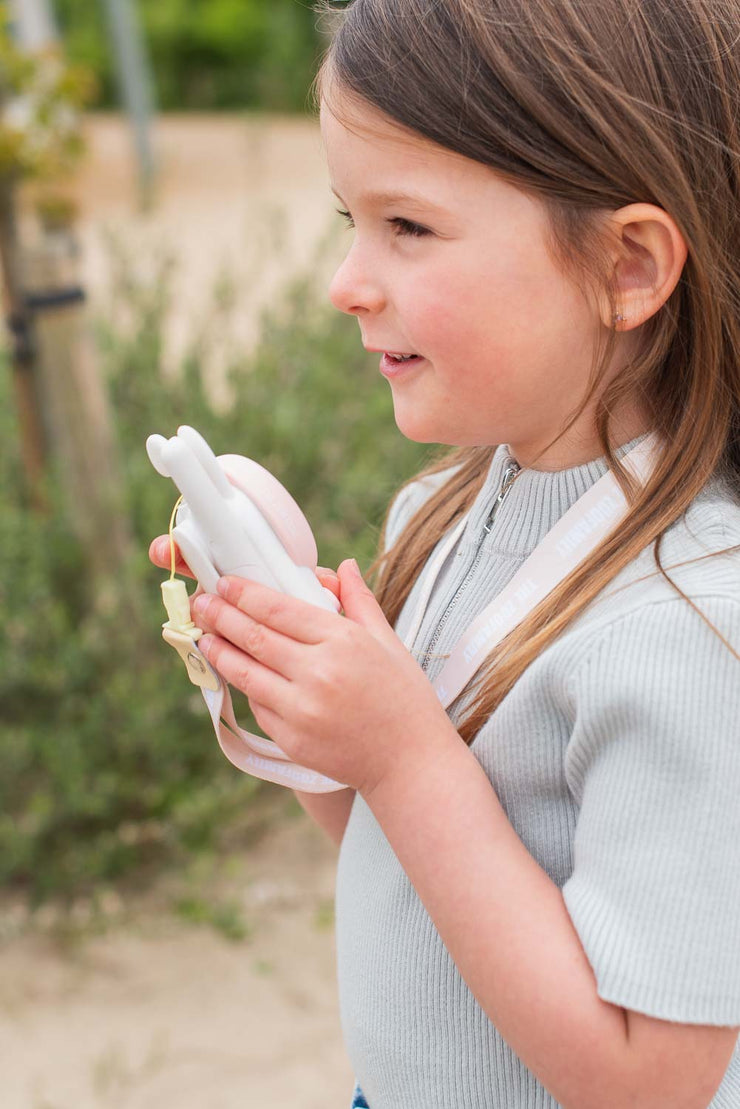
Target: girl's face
<point>449,263</point>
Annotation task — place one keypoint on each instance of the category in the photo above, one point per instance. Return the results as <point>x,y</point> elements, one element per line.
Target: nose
<point>355,287</point>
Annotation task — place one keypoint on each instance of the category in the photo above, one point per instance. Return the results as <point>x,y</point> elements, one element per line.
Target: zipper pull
<point>511,470</point>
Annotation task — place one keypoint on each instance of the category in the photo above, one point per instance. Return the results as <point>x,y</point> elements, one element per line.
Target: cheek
<point>477,322</point>
<point>446,308</point>
<point>489,292</point>
<point>515,310</point>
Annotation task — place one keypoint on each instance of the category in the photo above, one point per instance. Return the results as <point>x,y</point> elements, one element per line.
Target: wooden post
<point>76,408</point>
<point>20,324</point>
<point>62,402</point>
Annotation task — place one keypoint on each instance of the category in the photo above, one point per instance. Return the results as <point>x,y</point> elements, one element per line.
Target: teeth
<point>400,357</point>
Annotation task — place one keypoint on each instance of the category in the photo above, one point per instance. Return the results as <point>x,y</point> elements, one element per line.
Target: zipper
<point>511,470</point>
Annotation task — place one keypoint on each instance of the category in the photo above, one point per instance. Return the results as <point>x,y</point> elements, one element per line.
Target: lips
<point>391,367</point>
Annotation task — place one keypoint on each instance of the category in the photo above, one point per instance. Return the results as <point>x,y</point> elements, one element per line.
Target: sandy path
<point>166,1014</point>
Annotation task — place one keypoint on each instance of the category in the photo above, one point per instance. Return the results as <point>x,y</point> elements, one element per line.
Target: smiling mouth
<point>398,365</point>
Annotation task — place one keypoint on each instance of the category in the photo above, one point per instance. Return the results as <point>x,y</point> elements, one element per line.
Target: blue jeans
<point>358,1100</point>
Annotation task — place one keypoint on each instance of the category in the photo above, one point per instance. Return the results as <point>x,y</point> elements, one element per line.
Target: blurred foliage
<point>108,763</point>
<point>40,98</point>
<point>208,54</point>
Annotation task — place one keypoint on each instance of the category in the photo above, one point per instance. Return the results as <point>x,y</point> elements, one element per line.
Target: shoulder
<point>699,554</point>
<point>653,631</point>
<point>410,499</point>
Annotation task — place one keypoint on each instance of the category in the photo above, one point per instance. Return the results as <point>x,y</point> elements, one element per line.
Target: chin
<point>416,421</point>
<point>418,431</point>
<point>415,426</point>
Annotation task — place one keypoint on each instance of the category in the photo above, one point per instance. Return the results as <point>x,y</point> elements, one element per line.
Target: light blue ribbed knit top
<point>616,757</point>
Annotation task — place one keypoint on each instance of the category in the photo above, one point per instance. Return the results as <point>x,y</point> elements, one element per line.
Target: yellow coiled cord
<point>178,502</point>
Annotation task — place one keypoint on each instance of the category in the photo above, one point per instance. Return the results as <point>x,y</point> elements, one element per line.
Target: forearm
<point>329,810</point>
<point>504,922</point>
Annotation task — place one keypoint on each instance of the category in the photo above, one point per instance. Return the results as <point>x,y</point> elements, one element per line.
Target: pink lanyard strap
<point>250,753</point>
<point>578,532</point>
<point>257,756</point>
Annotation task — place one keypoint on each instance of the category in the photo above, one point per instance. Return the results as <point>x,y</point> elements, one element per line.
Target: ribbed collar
<point>534,504</point>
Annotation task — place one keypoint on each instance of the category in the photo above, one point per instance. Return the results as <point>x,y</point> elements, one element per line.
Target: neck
<point>576,446</point>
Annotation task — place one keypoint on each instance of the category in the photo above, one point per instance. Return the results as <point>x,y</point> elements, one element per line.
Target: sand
<point>164,1013</point>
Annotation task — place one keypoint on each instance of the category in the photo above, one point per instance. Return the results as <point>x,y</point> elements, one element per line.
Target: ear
<point>649,256</point>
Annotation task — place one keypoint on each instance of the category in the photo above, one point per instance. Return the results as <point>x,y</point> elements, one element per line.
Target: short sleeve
<point>654,764</point>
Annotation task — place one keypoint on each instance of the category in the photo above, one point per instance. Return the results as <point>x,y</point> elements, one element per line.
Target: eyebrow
<point>417,199</point>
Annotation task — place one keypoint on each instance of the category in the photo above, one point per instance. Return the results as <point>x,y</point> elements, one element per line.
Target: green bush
<point>208,54</point>
<point>108,764</point>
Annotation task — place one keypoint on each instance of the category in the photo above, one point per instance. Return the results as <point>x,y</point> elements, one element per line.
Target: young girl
<point>538,898</point>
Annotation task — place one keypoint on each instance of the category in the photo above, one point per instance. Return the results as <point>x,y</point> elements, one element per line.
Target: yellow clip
<point>199,669</point>
<point>181,633</point>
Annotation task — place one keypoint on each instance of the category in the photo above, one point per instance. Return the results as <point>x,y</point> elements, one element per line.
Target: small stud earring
<point>619,318</point>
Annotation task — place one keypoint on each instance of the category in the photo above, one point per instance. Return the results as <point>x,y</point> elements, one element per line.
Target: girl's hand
<point>339,694</point>
<point>159,554</point>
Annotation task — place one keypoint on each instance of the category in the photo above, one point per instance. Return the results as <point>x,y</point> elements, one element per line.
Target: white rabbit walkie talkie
<point>235,518</point>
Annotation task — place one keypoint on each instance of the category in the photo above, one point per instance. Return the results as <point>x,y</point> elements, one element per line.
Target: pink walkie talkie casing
<point>236,518</point>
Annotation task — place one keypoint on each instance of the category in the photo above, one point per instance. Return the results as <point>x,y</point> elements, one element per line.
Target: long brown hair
<point>591,106</point>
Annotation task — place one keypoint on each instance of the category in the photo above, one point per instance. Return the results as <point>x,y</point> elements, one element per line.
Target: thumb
<point>358,600</point>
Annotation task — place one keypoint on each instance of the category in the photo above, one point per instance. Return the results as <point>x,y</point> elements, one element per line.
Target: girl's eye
<point>406,227</point>
<point>401,226</point>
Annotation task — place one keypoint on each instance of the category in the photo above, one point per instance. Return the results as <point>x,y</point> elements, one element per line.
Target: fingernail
<point>355,567</point>
<point>201,604</point>
<point>222,586</point>
<point>204,644</point>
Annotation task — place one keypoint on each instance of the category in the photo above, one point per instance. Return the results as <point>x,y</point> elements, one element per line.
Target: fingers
<point>159,554</point>
<point>296,619</point>
<point>268,720</point>
<point>260,685</point>
<point>261,643</point>
<point>328,579</point>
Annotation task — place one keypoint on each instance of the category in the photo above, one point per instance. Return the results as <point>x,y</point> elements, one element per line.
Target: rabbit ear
<point>206,457</point>
<point>154,446</point>
<point>276,504</point>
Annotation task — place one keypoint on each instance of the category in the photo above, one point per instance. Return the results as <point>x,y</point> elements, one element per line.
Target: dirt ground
<point>164,1014</point>
<point>158,1013</point>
